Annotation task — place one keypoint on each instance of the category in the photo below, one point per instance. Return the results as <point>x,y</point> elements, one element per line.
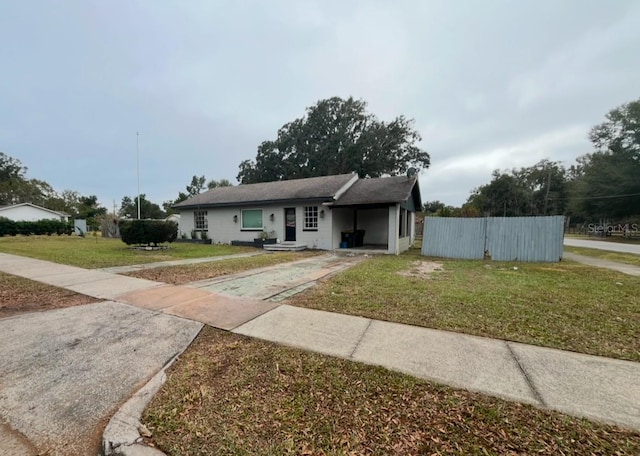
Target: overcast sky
<point>490,84</point>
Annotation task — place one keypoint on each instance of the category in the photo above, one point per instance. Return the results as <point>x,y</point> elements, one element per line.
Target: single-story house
<point>320,212</point>
<point>175,218</point>
<point>27,212</point>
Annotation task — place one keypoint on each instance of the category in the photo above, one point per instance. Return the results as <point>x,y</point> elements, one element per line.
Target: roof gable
<point>381,190</point>
<point>35,206</point>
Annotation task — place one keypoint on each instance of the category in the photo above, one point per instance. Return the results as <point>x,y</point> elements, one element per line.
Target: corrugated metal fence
<point>530,239</point>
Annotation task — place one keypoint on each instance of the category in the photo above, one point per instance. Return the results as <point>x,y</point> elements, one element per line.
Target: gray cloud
<point>490,85</point>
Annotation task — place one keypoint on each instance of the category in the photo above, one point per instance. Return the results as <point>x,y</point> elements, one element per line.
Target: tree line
<point>602,184</point>
<point>16,187</point>
<point>338,136</point>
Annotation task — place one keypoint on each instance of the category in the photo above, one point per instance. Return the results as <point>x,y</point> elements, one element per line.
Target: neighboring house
<point>28,212</point>
<point>314,211</point>
<point>175,218</point>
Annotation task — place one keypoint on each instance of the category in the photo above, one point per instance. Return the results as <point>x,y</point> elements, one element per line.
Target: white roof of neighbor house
<point>61,214</point>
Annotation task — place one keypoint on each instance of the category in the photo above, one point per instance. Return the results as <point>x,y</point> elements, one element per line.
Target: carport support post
<point>355,220</point>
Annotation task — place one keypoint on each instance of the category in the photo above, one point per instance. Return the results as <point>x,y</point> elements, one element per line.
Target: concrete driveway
<point>603,245</point>
<point>64,372</point>
<point>276,283</point>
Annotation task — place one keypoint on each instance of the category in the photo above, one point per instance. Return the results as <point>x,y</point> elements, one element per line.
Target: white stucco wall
<point>404,244</point>
<point>28,214</point>
<point>381,226</point>
<point>342,221</point>
<point>222,227</point>
<point>394,220</point>
<point>376,225</point>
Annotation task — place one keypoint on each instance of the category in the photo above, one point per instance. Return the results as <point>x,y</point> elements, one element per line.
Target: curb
<point>122,436</point>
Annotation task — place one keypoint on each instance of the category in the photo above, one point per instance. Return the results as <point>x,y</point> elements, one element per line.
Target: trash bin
<point>359,242</point>
<point>348,238</point>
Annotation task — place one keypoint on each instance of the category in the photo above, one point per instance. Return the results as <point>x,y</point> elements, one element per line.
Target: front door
<point>290,224</point>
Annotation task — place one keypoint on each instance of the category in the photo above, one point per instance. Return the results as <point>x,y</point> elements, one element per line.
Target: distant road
<point>603,245</point>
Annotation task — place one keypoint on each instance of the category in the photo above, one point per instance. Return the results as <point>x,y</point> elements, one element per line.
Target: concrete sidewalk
<point>603,245</point>
<point>582,385</point>
<point>164,264</point>
<point>594,387</point>
<point>628,269</point>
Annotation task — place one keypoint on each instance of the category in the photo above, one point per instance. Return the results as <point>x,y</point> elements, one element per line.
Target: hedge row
<point>147,231</point>
<point>49,227</point>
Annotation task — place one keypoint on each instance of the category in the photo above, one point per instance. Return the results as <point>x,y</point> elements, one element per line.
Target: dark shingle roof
<point>321,188</point>
<point>379,190</point>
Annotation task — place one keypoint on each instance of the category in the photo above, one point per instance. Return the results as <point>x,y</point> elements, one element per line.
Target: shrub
<point>8,227</point>
<point>147,231</point>
<point>25,228</point>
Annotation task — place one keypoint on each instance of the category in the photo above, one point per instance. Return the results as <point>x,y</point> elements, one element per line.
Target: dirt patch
<point>19,295</point>
<point>422,269</point>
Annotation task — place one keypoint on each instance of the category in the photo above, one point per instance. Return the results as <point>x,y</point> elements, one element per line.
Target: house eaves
<point>323,188</point>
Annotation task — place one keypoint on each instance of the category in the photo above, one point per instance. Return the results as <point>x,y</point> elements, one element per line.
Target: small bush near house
<point>147,231</point>
<point>45,226</point>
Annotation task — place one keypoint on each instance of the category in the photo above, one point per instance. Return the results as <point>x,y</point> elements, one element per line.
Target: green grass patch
<point>564,305</point>
<point>619,257</point>
<point>178,275</point>
<point>98,252</point>
<point>231,395</point>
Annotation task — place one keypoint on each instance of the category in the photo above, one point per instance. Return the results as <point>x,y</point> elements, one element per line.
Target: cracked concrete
<point>122,436</point>
<point>65,371</point>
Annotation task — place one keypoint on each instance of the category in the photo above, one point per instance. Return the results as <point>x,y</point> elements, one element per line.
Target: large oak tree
<point>607,182</point>
<point>337,136</point>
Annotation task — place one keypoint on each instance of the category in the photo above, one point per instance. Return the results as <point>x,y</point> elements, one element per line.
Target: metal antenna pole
<point>138,169</point>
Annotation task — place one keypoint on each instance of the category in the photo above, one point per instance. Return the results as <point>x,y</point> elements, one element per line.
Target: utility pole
<point>138,169</point>
<point>546,196</point>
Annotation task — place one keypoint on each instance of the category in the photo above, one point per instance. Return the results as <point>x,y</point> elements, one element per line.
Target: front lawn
<point>19,295</point>
<point>232,395</point>
<point>561,305</point>
<point>98,252</point>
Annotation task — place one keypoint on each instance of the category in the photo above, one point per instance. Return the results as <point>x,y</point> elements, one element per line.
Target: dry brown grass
<point>231,395</point>
<point>19,295</point>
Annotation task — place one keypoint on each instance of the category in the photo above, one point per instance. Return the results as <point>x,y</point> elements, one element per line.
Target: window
<point>252,219</point>
<point>311,218</point>
<point>200,221</point>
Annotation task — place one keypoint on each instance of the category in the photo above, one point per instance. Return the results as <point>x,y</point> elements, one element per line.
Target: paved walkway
<point>628,269</point>
<point>163,264</point>
<point>590,386</point>
<point>603,245</point>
